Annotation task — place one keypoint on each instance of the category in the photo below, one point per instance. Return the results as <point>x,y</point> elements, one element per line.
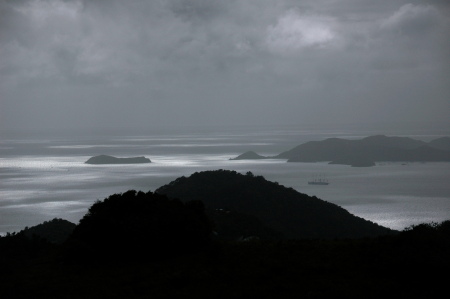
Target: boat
<point>319,181</point>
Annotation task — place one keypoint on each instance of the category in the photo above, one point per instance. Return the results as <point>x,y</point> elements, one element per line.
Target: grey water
<point>43,175</point>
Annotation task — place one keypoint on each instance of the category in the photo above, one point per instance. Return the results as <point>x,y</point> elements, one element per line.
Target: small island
<point>105,159</point>
<point>250,155</point>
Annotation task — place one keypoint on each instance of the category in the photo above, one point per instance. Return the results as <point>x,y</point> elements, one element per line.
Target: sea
<point>43,174</point>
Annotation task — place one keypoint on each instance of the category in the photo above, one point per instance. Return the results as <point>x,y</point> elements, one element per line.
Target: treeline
<point>143,226</point>
<point>412,264</point>
<point>142,245</point>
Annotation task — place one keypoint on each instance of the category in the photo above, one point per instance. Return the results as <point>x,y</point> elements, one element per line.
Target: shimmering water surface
<point>43,176</point>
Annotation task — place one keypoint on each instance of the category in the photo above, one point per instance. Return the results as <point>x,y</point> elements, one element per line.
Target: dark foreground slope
<point>55,231</point>
<point>142,225</point>
<point>411,264</point>
<point>282,209</point>
<point>144,245</point>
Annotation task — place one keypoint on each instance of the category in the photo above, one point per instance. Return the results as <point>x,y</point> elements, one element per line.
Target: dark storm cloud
<point>141,63</point>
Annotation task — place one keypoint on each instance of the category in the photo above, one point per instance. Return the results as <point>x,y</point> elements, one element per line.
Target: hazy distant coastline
<point>364,152</point>
<point>105,159</point>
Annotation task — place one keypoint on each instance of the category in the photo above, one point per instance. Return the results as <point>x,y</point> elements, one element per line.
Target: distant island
<point>250,155</point>
<point>104,159</point>
<point>364,152</point>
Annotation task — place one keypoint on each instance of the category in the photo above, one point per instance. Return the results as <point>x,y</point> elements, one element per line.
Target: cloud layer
<point>91,63</point>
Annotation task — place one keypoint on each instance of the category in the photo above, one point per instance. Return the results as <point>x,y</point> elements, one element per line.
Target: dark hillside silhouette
<point>233,225</point>
<point>410,264</point>
<point>55,231</point>
<point>138,223</point>
<point>281,209</point>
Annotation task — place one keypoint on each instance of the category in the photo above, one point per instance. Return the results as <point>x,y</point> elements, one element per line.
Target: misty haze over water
<point>43,177</point>
<point>204,81</point>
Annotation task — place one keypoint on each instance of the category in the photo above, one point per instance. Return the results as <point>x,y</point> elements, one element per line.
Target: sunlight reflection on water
<point>35,188</point>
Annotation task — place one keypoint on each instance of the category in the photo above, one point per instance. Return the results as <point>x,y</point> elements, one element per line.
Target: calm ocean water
<point>43,176</point>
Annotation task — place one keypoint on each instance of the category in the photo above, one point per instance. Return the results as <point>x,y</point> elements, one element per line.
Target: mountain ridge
<point>366,151</point>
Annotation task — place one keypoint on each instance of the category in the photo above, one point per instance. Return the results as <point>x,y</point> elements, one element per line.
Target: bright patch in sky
<point>294,32</point>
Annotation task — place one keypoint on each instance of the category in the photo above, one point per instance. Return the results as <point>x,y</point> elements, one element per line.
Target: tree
<point>138,223</point>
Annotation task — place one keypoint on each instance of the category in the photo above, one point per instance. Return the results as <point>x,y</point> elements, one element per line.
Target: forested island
<point>222,234</point>
<point>250,155</point>
<point>364,152</point>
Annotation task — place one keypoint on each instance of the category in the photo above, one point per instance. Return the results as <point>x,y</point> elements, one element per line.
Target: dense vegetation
<point>412,264</point>
<point>283,210</point>
<point>55,231</point>
<point>138,224</point>
<point>145,245</point>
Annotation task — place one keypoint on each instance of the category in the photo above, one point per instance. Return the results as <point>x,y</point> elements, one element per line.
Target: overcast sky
<point>97,63</point>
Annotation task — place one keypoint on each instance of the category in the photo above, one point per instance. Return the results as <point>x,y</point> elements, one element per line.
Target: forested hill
<point>55,231</point>
<point>282,209</point>
<point>365,152</point>
<point>146,245</point>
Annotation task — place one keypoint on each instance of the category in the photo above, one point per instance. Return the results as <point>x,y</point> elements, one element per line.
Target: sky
<point>135,63</point>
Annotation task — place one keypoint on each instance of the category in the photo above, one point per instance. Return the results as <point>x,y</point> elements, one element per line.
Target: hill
<point>281,209</point>
<point>368,150</point>
<point>250,155</point>
<point>411,264</point>
<point>55,231</point>
<point>365,152</point>
<point>104,159</point>
<point>144,245</point>
<point>442,143</point>
<point>147,225</point>
<point>232,225</point>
